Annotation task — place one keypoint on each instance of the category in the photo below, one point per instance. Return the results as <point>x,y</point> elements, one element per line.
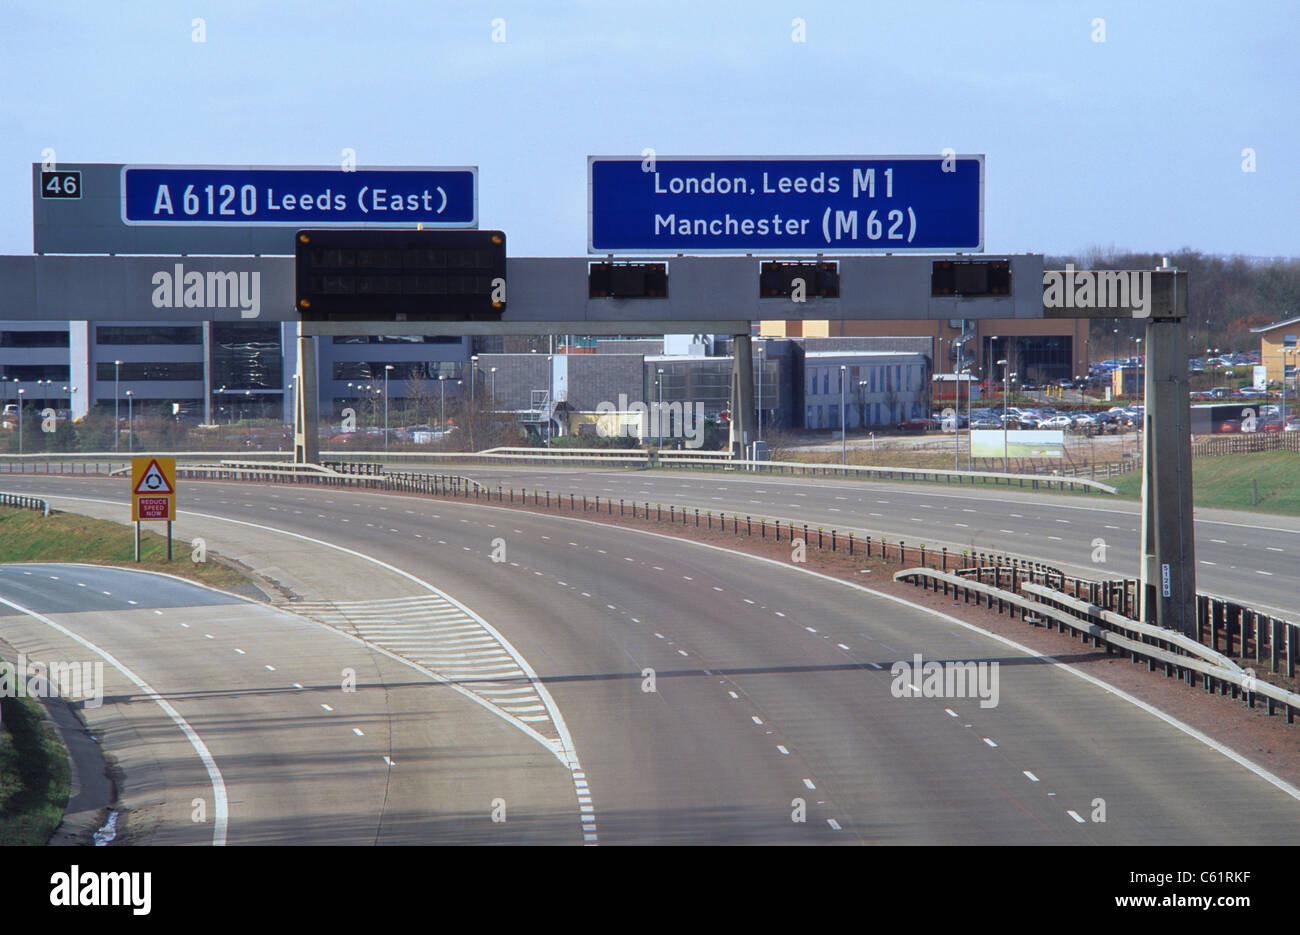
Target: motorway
<point>229,721</point>
<point>1250,557</point>
<point>772,691</point>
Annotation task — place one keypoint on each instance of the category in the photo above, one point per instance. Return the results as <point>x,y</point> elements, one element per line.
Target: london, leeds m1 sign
<point>785,204</point>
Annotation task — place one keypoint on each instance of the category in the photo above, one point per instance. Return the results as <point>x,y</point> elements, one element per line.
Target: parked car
<point>1229,425</point>
<point>918,424</point>
<point>1056,422</point>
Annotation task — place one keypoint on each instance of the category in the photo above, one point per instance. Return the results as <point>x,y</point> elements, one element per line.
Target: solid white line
<point>809,784</point>
<point>1032,777</point>
<point>951,712</point>
<point>220,813</point>
<point>1075,815</point>
<point>989,742</point>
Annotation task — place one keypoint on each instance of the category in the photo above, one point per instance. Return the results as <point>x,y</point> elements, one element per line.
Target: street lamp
<point>970,454</point>
<point>1006,386</point>
<point>844,435</point>
<point>20,419</point>
<point>117,371</point>
<point>550,366</point>
<point>659,412</point>
<point>473,375</point>
<point>130,425</point>
<point>387,367</point>
<point>494,392</point>
<point>761,346</point>
<point>1294,351</point>
<point>442,408</point>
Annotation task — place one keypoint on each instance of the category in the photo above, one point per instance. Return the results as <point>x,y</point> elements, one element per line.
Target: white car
<point>1056,422</point>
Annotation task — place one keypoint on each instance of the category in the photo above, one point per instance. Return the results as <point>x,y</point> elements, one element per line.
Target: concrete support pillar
<point>306,442</point>
<point>1168,568</point>
<point>743,422</point>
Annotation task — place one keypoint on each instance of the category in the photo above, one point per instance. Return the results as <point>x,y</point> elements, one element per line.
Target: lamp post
<point>20,420</point>
<point>1294,351</point>
<point>130,425</point>
<point>117,371</point>
<point>760,387</point>
<point>550,366</point>
<point>970,454</point>
<point>473,375</point>
<point>387,367</point>
<point>1006,386</point>
<point>442,408</point>
<point>494,392</point>
<point>844,435</point>
<point>659,411</point>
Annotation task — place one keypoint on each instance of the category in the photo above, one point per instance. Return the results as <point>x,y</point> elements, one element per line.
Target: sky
<point>1134,142</point>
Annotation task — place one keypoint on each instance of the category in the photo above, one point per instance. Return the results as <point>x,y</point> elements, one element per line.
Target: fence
<point>1204,445</point>
<point>23,502</point>
<point>1182,656</point>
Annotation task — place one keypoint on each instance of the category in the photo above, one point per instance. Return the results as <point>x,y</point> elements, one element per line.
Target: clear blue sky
<point>1133,142</point>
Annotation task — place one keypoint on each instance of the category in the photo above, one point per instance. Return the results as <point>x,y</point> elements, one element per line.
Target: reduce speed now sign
<point>153,489</point>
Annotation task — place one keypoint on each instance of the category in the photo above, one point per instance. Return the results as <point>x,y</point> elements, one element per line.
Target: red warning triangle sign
<point>153,481</point>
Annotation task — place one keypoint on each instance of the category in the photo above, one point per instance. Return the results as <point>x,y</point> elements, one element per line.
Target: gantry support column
<point>306,441</point>
<point>1168,561</point>
<point>743,422</point>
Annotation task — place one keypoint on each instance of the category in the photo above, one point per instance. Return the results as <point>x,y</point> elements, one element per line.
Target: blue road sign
<point>786,204</point>
<point>253,196</point>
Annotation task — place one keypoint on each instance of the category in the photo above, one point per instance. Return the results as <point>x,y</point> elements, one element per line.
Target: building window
<point>246,356</point>
<point>34,339</point>
<point>162,370</point>
<point>123,334</point>
<point>29,373</point>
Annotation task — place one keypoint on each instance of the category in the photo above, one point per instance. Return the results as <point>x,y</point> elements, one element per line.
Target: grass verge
<point>27,536</point>
<point>33,774</point>
<point>1265,482</point>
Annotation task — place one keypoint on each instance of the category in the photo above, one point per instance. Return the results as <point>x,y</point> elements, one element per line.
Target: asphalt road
<point>772,688</point>
<point>214,699</point>
<point>1253,558</point>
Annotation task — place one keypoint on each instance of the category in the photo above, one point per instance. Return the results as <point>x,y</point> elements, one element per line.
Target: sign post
<point>153,495</point>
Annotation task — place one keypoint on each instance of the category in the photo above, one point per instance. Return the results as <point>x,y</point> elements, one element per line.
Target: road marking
<point>358,731</point>
<point>220,817</point>
<point>810,629</point>
<point>833,823</point>
<point>951,712</point>
<point>682,652</point>
<point>1273,548</point>
<point>240,651</point>
<point>297,685</point>
<point>756,719</point>
<point>778,613</point>
<point>842,646</point>
<point>809,784</point>
<point>784,751</point>
<point>1075,815</point>
<point>989,742</point>
<point>326,707</point>
<point>1258,572</point>
<point>1032,777</point>
<point>734,695</point>
<point>270,668</point>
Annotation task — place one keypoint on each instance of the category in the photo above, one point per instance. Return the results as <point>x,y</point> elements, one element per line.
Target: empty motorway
<point>703,696</point>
